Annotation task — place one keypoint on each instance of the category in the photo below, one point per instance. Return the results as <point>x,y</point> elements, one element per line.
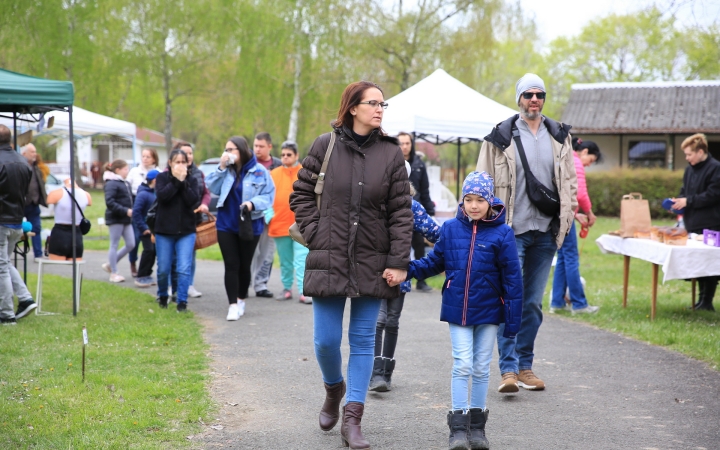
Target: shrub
<point>607,188</point>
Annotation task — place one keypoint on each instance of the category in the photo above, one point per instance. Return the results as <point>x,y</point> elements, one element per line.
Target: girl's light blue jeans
<point>472,349</point>
<point>328,328</point>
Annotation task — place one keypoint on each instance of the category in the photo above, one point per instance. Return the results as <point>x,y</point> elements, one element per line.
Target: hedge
<point>607,188</point>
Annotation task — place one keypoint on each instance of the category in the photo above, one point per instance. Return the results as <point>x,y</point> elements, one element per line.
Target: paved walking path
<point>605,391</point>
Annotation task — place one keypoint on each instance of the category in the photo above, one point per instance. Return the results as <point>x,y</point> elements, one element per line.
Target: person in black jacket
<point>118,215</point>
<point>178,197</point>
<point>419,179</point>
<point>700,196</point>
<point>14,180</point>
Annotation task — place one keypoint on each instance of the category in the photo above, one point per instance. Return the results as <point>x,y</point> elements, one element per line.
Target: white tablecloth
<point>678,262</point>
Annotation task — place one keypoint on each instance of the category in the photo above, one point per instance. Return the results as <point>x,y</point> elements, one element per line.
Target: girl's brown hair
<point>115,165</point>
<point>351,97</point>
<point>244,149</point>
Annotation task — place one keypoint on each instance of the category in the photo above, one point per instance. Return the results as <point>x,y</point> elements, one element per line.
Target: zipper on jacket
<point>467,273</point>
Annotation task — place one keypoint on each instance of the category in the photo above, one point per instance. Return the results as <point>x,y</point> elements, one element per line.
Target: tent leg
<point>72,211</point>
<point>15,131</point>
<point>457,186</point>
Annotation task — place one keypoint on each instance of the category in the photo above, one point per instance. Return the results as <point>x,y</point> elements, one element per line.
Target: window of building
<point>647,154</point>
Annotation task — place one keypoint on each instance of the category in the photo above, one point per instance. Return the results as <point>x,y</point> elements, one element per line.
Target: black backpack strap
<point>76,203</point>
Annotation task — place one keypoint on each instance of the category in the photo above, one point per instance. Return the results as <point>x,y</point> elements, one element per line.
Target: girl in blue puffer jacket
<point>483,288</point>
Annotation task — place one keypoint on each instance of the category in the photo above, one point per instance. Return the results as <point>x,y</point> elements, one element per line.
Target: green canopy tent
<point>33,97</point>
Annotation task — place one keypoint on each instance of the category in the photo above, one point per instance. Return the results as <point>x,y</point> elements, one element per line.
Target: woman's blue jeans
<point>535,251</point>
<point>567,274</point>
<point>328,327</point>
<point>179,249</point>
<point>472,349</point>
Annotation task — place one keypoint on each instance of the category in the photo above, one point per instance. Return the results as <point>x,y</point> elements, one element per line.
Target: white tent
<point>85,123</point>
<point>442,109</point>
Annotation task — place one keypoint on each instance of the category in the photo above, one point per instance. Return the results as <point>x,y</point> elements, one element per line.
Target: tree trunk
<point>168,112</point>
<point>295,108</point>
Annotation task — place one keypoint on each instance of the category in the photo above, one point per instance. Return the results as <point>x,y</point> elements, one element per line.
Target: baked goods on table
<point>675,236</point>
<point>656,233</point>
<point>642,233</point>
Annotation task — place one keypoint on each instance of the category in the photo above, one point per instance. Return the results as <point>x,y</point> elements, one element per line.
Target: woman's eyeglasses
<point>375,104</point>
<point>529,95</point>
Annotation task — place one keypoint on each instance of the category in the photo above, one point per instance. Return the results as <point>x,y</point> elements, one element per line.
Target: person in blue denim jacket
<point>389,317</point>
<point>241,182</point>
<point>483,288</point>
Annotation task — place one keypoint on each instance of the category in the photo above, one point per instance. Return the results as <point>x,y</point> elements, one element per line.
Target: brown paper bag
<point>634,214</point>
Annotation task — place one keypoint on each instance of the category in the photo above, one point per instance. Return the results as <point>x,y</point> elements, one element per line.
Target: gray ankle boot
<point>458,422</point>
<point>477,439</point>
<point>377,382</point>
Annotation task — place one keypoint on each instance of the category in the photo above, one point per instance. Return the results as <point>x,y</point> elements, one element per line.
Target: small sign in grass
<point>140,361</point>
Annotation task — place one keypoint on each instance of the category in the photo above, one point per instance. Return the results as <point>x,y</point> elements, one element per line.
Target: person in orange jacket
<point>292,255</point>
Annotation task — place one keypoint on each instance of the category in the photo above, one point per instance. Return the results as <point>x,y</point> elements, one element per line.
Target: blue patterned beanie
<point>479,183</point>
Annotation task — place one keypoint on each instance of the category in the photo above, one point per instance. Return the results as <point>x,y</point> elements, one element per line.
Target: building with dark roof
<point>643,124</point>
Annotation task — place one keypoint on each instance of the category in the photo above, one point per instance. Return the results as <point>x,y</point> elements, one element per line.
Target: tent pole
<point>15,131</point>
<point>72,211</point>
<point>457,186</point>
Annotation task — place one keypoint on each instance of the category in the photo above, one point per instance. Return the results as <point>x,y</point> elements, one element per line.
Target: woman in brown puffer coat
<point>359,236</point>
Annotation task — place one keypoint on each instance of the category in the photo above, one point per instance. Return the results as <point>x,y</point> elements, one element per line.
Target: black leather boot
<point>330,412</point>
<point>377,382</point>
<point>477,439</point>
<point>707,286</point>
<point>458,422</point>
<point>389,367</point>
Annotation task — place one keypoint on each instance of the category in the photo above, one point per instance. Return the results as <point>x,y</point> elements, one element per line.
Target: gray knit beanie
<point>528,81</point>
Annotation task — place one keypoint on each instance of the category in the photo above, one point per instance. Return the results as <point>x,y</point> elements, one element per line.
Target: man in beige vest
<point>547,145</point>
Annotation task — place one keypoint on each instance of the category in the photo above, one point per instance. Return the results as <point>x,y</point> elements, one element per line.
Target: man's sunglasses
<point>529,95</point>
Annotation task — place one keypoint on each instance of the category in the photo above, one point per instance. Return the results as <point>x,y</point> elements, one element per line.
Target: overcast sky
<point>567,17</point>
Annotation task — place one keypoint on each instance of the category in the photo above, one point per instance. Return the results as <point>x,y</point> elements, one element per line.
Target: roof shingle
<point>644,108</point>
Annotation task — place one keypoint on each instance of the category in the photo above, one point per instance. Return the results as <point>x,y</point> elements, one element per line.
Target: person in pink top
<point>567,267</point>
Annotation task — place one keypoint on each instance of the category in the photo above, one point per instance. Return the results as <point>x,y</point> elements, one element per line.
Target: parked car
<point>207,167</point>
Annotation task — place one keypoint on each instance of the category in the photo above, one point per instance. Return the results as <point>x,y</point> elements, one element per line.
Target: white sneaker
<point>106,267</point>
<point>194,293</point>
<point>565,307</point>
<point>116,278</point>
<point>586,310</point>
<point>233,312</point>
<point>241,307</point>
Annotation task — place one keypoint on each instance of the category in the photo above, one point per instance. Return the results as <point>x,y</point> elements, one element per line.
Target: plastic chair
<point>56,262</point>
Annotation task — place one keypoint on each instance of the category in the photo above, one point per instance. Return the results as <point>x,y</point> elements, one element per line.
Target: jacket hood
<point>497,218</point>
<point>107,176</point>
<point>376,135</point>
<point>144,187</point>
<point>501,135</point>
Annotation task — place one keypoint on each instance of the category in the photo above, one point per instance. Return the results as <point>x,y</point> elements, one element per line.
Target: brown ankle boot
<point>330,412</point>
<point>350,432</point>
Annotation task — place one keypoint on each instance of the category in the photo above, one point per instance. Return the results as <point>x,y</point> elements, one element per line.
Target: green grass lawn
<point>145,379</point>
<point>694,333</point>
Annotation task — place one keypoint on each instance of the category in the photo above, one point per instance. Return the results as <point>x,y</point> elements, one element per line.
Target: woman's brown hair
<point>244,149</point>
<point>696,142</point>
<point>351,97</point>
<point>154,155</point>
<point>116,165</point>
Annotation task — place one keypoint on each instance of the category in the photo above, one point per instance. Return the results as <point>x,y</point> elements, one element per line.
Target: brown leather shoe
<point>350,432</point>
<point>330,412</point>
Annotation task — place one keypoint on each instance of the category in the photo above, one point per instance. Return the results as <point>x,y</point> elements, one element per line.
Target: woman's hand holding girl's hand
<point>394,276</point>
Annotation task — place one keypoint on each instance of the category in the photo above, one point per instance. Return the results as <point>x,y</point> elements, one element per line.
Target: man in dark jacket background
<point>15,177</point>
<point>419,179</point>
<point>36,196</point>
